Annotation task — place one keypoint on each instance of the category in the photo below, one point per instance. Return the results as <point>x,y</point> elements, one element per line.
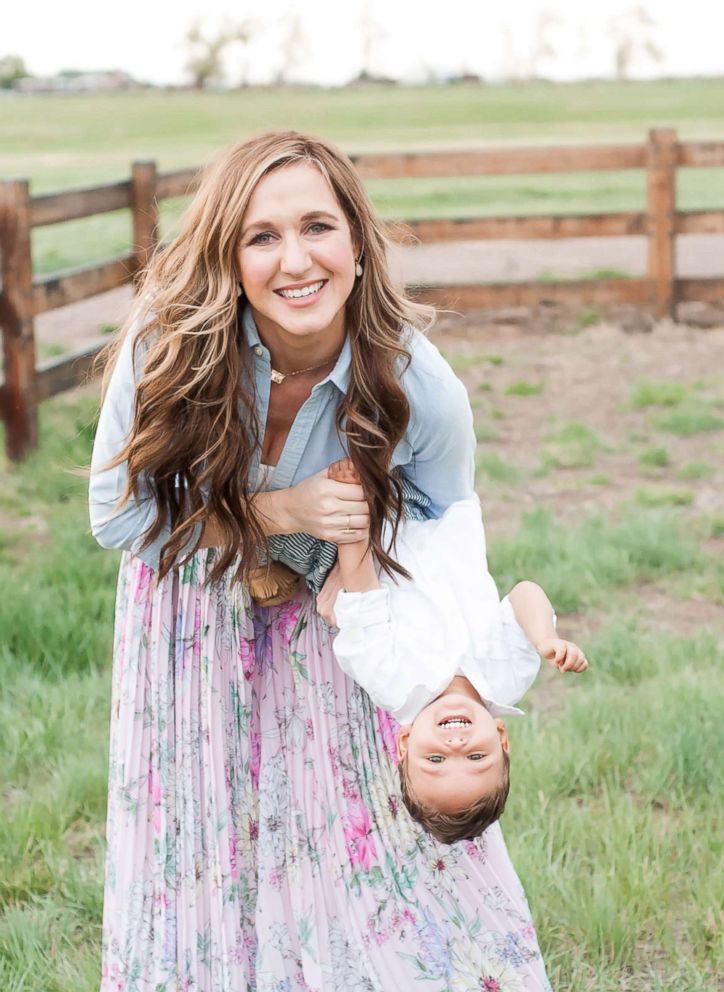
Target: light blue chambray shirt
<point>437,453</point>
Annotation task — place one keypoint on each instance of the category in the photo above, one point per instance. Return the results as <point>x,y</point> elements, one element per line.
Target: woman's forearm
<point>274,513</point>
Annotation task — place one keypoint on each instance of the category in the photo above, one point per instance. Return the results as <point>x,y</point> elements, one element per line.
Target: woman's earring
<point>358,268</point>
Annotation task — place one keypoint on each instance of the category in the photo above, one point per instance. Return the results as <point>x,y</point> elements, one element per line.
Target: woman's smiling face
<point>296,255</point>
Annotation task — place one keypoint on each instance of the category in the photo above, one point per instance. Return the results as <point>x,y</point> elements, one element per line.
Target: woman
<point>255,838</point>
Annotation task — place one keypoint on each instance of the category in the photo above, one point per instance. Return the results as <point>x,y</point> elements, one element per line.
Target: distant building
<point>77,82</point>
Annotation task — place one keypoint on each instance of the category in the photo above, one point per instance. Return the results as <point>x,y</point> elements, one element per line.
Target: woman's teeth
<point>296,294</point>
<point>456,722</point>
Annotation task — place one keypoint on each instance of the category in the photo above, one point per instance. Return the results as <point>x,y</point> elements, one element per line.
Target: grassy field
<point>61,142</point>
<point>613,818</point>
<point>606,491</point>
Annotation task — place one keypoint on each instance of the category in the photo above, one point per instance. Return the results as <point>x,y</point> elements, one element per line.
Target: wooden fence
<point>23,296</point>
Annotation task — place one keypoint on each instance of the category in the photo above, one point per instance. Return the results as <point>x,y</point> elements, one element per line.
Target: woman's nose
<point>295,257</point>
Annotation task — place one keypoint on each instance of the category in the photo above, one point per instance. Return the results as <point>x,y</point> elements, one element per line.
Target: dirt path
<point>491,261</point>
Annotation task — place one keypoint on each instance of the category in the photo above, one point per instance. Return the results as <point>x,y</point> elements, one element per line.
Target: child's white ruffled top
<point>405,642</point>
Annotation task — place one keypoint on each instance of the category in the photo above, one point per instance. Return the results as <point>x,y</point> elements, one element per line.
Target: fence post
<point>145,213</point>
<point>19,404</point>
<point>661,187</point>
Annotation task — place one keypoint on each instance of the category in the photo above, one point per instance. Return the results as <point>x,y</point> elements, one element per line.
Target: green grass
<point>647,394</point>
<point>664,497</point>
<point>696,470</point>
<point>692,417</point>
<point>612,818</point>
<point>497,469</point>
<point>716,526</point>
<point>523,388</point>
<point>461,363</point>
<point>485,432</point>
<point>625,813</point>
<point>574,445</point>
<point>49,349</point>
<point>654,458</point>
<point>70,146</point>
<point>588,318</point>
<point>577,565</point>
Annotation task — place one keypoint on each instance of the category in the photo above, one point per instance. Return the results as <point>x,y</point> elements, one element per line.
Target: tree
<point>12,67</point>
<point>371,33</point>
<point>544,43</point>
<point>632,35</point>
<point>205,61</point>
<point>293,49</point>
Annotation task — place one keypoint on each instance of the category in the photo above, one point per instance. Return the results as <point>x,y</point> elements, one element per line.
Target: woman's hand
<point>325,508</point>
<point>329,510</point>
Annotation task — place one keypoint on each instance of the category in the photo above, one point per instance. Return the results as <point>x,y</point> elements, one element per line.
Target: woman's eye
<point>435,758</point>
<point>475,757</point>
<point>258,239</point>
<point>319,228</point>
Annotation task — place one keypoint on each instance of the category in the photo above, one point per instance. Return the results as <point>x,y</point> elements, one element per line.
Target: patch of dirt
<point>586,378</point>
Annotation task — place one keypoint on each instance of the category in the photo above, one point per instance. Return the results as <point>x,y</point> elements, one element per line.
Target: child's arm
<point>534,613</point>
<point>356,563</point>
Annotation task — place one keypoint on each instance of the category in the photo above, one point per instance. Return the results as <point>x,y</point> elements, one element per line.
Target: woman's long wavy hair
<point>195,427</point>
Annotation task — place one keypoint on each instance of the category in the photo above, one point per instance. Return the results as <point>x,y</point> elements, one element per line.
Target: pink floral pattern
<point>256,837</point>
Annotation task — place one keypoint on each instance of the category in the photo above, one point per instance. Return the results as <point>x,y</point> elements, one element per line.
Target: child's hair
<point>468,823</point>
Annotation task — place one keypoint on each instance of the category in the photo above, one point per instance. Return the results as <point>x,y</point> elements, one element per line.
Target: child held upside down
<point>447,658</point>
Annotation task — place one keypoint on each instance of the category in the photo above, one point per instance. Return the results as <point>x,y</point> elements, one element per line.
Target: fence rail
<point>23,296</point>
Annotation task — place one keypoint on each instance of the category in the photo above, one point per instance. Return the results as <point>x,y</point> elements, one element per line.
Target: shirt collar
<point>339,375</point>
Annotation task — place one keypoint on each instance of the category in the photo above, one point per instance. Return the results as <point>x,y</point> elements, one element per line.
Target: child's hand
<point>563,655</point>
<point>344,471</point>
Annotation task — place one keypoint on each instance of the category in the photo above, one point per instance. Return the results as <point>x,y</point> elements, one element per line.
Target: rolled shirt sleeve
<point>125,527</point>
<point>441,435</point>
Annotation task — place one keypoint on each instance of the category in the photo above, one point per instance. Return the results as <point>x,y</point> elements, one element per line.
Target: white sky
<point>494,39</point>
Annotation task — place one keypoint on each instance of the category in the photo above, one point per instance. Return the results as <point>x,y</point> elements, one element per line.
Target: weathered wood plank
<point>55,208</point>
<point>180,183</point>
<point>67,372</point>
<point>700,154</point>
<point>661,199</point>
<point>699,222</point>
<point>700,290</point>
<point>145,213</point>
<point>490,296</point>
<point>19,407</point>
<point>71,286</point>
<point>506,161</point>
<point>433,230</point>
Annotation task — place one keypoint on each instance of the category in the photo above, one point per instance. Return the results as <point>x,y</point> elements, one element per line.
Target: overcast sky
<point>494,39</point>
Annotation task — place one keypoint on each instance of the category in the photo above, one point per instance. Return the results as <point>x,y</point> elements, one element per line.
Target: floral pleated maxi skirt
<point>256,838</point>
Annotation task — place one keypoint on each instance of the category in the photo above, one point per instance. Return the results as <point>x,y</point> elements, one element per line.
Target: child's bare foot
<point>344,471</point>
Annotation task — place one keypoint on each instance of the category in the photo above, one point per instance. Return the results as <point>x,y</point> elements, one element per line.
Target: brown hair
<point>195,427</point>
<point>468,823</point>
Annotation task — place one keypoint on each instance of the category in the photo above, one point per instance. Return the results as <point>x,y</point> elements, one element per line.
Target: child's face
<point>452,765</point>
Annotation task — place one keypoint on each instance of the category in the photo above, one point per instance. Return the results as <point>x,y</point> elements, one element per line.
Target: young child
<point>447,658</point>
